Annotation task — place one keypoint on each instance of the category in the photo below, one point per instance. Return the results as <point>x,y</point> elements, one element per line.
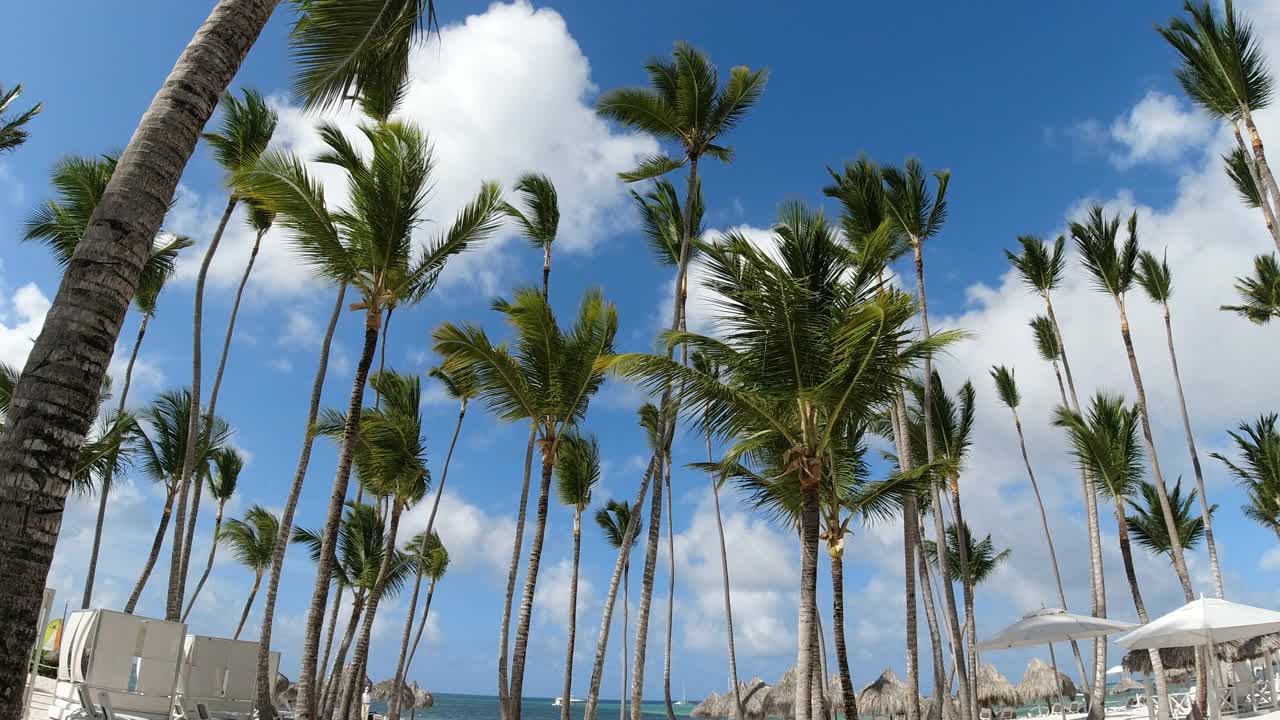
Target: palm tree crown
<point>613,518</point>
<point>540,220</point>
<point>1222,65</point>
<point>1237,167</point>
<point>577,469</point>
<point>662,220</point>
<point>1147,521</point>
<point>361,544</point>
<point>1258,469</point>
<point>1155,277</point>
<point>1105,443</point>
<point>244,132</point>
<point>163,437</point>
<point>1046,339</point>
<point>1006,386</point>
<point>1041,268</point>
<point>983,558</point>
<point>227,463</point>
<point>1260,293</point>
<point>1112,268</point>
<point>427,555</point>
<point>13,130</point>
<point>252,539</point>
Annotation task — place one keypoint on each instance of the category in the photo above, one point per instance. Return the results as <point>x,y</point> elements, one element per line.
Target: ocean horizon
<point>465,706</point>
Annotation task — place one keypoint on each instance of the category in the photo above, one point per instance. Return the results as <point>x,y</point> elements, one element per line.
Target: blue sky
<point>1035,108</point>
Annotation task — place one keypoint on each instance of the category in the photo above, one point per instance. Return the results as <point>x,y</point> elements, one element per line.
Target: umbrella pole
<point>1053,662</point>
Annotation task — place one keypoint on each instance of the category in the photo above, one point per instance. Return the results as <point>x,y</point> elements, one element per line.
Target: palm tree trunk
<point>334,685</point>
<point>546,283</point>
<point>361,655</point>
<point>333,625</point>
<point>621,565</point>
<point>188,476</point>
<point>263,704</point>
<point>393,705</point>
<point>244,615</point>
<point>817,696</point>
<point>671,599</point>
<point>1210,545</point>
<point>514,568</point>
<point>626,601</point>
<point>646,594</point>
<point>328,541</point>
<point>970,622</point>
<point>56,399</point>
<point>1268,215</point>
<point>566,693</point>
<point>808,601</point>
<point>422,625</point>
<point>728,607</point>
<point>1260,158</point>
<point>153,555</point>
<point>1126,554</point>
<point>910,535</point>
<point>377,401</point>
<point>1048,538</point>
<point>837,628</point>
<point>213,548</point>
<point>210,413</point>
<point>107,477</point>
<point>531,577</point>
<point>941,682</point>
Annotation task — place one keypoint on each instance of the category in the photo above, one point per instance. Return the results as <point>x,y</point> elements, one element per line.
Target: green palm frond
<point>1105,443</point>
<point>1113,268</point>
<point>577,468</point>
<point>1237,166</point>
<point>662,219</point>
<point>9,375</point>
<point>613,518</point>
<point>475,223</point>
<point>983,559</point>
<point>390,452</point>
<point>1006,386</point>
<point>259,218</point>
<point>540,219</point>
<point>1041,269</point>
<point>161,264</point>
<point>1046,338</point>
<point>430,558</point>
<point>1222,65</point>
<point>13,130</point>
<point>1258,470</point>
<point>162,436</point>
<point>1260,293</point>
<point>252,540</point>
<point>1147,523</point>
<point>861,192</point>
<point>105,453</point>
<point>243,133</point>
<point>227,464</point>
<point>917,210</point>
<point>1155,277</point>
<point>459,385</point>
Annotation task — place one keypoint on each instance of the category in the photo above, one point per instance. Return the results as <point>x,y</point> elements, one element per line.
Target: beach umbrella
<point>704,708</point>
<point>995,689</point>
<point>381,692</point>
<point>886,695</point>
<point>421,699</point>
<point>1125,686</point>
<point>780,700</point>
<point>1041,682</point>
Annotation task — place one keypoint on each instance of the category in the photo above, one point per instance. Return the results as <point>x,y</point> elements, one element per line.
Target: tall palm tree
<point>1147,525</point>
<point>1224,71</point>
<point>548,380</point>
<point>1155,277</point>
<point>1258,470</point>
<point>1047,346</point>
<point>251,541</point>
<point>227,464</point>
<point>810,348</point>
<point>13,130</point>
<point>577,474</point>
<point>1114,270</point>
<point>540,219</point>
<point>1007,390</point>
<point>341,47</point>
<point>369,247</point>
<point>390,459</point>
<point>435,563</point>
<point>1242,171</point>
<point>242,137</point>
<point>461,387</point>
<point>613,518</point>
<point>1105,441</point>
<point>984,559</point>
<point>1042,270</point>
<point>1260,293</point>
<point>162,440</point>
<point>60,224</point>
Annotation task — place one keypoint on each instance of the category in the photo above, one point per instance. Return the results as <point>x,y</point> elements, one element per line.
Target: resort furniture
<point>217,678</point>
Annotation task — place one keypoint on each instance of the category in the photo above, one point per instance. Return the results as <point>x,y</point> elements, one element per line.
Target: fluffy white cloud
<point>20,321</point>
<point>1160,127</point>
<point>551,598</point>
<point>476,539</point>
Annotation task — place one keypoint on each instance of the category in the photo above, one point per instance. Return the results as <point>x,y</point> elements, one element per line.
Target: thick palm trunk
<point>850,701</point>
<point>1210,545</point>
<point>422,625</point>
<point>263,704</point>
<point>153,555</point>
<point>361,656</point>
<point>671,599</point>
<point>517,544</point>
<point>910,534</point>
<point>244,615</point>
<point>56,399</point>
<point>646,595</point>
<point>328,541</point>
<point>332,688</point>
<point>941,682</point>
<point>531,579</point>
<point>108,476</point>
<point>333,625</point>
<point>1268,213</point>
<point>728,606</point>
<point>808,602</point>
<point>1126,554</point>
<point>620,565</point>
<point>208,566</point>
<point>567,691</point>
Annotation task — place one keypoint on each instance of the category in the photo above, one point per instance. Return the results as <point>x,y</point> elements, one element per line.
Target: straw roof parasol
<point>780,700</point>
<point>1254,648</point>
<point>382,692</point>
<point>994,689</point>
<point>1125,686</point>
<point>421,698</point>
<point>1039,682</point>
<point>887,695</point>
<point>704,709</point>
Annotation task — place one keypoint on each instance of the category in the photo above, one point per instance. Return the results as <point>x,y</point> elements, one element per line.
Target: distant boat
<point>560,701</point>
<point>684,696</point>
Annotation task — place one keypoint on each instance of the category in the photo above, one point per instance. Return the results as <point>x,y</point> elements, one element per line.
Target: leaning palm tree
<point>1155,277</point>
<point>1258,469</point>
<point>1105,443</point>
<point>1114,270</point>
<point>369,247</point>
<point>1259,293</point>
<point>613,518</point>
<point>1147,526</point>
<point>242,137</point>
<point>13,130</point>
<point>577,474</point>
<point>251,541</point>
<point>434,564</point>
<point>60,224</point>
<point>227,464</point>
<point>1224,71</point>
<point>540,219</point>
<point>341,47</point>
<point>811,347</point>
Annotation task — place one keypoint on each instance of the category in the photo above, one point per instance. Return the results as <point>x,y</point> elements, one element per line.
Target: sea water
<point>449,706</point>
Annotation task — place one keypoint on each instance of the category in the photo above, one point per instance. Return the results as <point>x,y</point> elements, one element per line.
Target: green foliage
<point>613,518</point>
<point>1260,293</point>
<point>662,220</point>
<point>1147,525</point>
<point>1155,277</point>
<point>540,219</point>
<point>361,544</point>
<point>1006,386</point>
<point>1237,166</point>
<point>244,132</point>
<point>13,130</point>
<point>1040,268</point>
<point>577,468</point>
<point>1105,443</point>
<point>1046,338</point>
<point>916,210</point>
<point>1113,268</point>
<point>1222,66</point>
<point>861,192</point>
<point>429,558</point>
<point>1258,469</point>
<point>227,463</point>
<point>162,437</point>
<point>253,539</point>
<point>983,559</point>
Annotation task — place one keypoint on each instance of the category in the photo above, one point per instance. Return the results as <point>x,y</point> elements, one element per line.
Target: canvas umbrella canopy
<point>885,696</point>
<point>1124,686</point>
<point>994,689</point>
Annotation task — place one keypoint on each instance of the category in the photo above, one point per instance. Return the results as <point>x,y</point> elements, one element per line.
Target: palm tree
<point>60,224</point>
<point>548,380</point>
<point>1105,442</point>
<point>251,541</point>
<point>434,564</point>
<point>614,518</point>
<point>810,347</point>
<point>577,474</point>
<point>1042,270</point>
<point>1147,525</point>
<point>390,459</point>
<point>1007,390</point>
<point>227,464</point>
<point>13,131</point>
<point>461,387</point>
<point>1224,71</point>
<point>1114,270</point>
<point>1243,174</point>
<point>1155,277</point>
<point>342,47</point>
<point>984,560</point>
<point>541,218</point>
<point>1258,470</point>
<point>162,443</point>
<point>370,247</point>
<point>1260,293</point>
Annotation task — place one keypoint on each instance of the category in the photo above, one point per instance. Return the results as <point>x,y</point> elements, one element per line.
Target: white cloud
<point>1160,127</point>
<point>476,539</point>
<point>551,598</point>
<point>20,322</point>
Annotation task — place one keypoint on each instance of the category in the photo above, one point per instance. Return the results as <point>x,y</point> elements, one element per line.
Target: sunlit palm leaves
<point>662,220</point>
<point>983,558</point>
<point>577,469</point>
<point>427,555</point>
<point>162,437</point>
<point>1046,339</point>
<point>252,539</point>
<point>390,452</point>
<point>1112,267</point>
<point>13,129</point>
<point>1258,469</point>
<point>1040,267</point>
<point>613,518</point>
<point>361,543</point>
<point>1105,444</point>
<point>540,219</point>
<point>1260,292</point>
<point>1147,526</point>
<point>244,130</point>
<point>1155,277</point>
<point>1237,166</point>
<point>1222,66</point>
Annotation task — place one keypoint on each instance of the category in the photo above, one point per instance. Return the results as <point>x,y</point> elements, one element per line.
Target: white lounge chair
<point>126,664</point>
<point>218,678</point>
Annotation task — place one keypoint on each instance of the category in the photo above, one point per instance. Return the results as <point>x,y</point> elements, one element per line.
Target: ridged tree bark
<point>351,692</point>
<point>329,631</point>
<point>154,555</point>
<point>646,595</point>
<point>808,602</point>
<point>1260,158</point>
<point>56,399</point>
<point>671,601</point>
<point>333,687</point>
<point>521,646</point>
<point>567,691</point>
<point>504,704</point>
<point>263,704</point>
<point>847,696</point>
<point>910,534</point>
<point>941,681</point>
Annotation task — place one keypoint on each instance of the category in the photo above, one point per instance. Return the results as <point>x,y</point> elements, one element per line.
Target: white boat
<point>560,701</point>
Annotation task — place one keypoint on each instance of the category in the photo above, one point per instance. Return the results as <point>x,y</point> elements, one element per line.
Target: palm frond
<point>1006,386</point>
<point>540,219</point>
<point>1155,277</point>
<point>1260,294</point>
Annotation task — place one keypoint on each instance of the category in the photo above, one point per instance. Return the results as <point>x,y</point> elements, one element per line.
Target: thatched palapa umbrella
<point>382,693</point>
<point>994,689</point>
<point>886,696</point>
<point>780,700</point>
<point>1041,682</point>
<point>707,708</point>
<point>1125,686</point>
<point>421,699</point>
